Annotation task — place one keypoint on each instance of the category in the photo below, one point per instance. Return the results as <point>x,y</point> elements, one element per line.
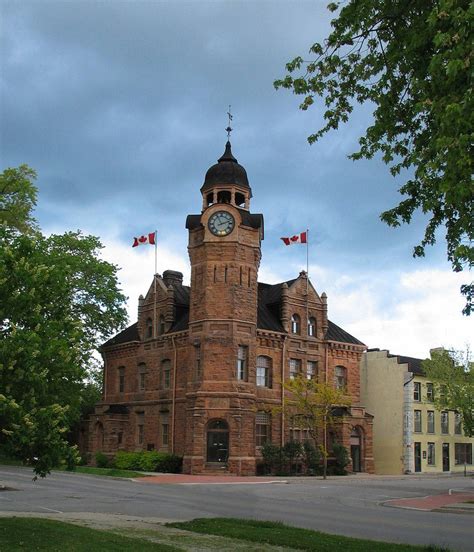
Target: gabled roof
<point>125,336</point>
<point>335,333</point>
<point>268,316</point>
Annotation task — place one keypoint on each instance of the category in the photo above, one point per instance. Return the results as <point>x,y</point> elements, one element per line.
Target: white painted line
<point>50,510</point>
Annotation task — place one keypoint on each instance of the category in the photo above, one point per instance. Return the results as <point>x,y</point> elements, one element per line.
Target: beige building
<point>409,434</point>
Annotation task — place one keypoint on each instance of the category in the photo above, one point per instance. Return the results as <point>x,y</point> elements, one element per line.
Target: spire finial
<point>229,129</point>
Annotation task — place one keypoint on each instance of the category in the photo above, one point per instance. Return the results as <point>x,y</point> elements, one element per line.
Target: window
<point>165,434</point>
<point>140,427</point>
<point>149,328</point>
<point>121,379</point>
<point>462,453</point>
<point>242,355</point>
<point>166,373</point>
<point>141,376</point>
<point>119,438</point>
<point>262,428</point>
<point>295,367</point>
<point>295,324</point>
<point>429,392</point>
<point>311,370</point>
<point>418,421</point>
<point>264,371</point>
<point>311,327</point>
<point>457,423</point>
<point>431,454</point>
<point>161,327</point>
<point>417,391</point>
<point>340,377</point>
<point>445,422</point>
<point>197,358</point>
<point>430,421</point>
<point>164,429</point>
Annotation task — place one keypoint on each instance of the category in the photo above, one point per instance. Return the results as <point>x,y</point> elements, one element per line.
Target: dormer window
<point>295,324</point>
<point>149,328</point>
<point>161,327</point>
<point>312,327</point>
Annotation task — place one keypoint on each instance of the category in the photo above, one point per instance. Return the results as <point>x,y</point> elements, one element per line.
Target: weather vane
<point>229,129</point>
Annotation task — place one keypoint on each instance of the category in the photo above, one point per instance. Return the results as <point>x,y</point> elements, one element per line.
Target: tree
<point>58,302</point>
<point>411,61</point>
<point>452,373</point>
<point>18,197</point>
<point>312,404</point>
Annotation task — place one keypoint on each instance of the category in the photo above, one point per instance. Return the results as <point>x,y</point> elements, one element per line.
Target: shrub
<point>311,459</point>
<point>149,461</point>
<point>101,460</point>
<point>341,459</point>
<point>292,451</point>
<point>271,457</point>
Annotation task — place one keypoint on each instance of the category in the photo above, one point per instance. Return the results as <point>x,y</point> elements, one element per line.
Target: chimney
<point>171,277</point>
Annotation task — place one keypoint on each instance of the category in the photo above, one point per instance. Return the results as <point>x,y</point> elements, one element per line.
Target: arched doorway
<point>356,449</point>
<point>217,441</point>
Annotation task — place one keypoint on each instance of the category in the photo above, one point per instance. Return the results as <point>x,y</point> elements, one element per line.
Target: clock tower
<point>224,250</point>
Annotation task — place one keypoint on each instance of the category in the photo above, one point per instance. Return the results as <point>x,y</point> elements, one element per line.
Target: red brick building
<point>200,373</point>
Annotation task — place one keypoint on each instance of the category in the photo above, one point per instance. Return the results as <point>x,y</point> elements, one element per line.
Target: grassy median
<point>31,534</point>
<point>278,534</point>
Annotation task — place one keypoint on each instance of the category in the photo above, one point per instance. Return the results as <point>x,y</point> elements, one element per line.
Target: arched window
<point>264,371</point>
<point>161,326</point>
<point>149,328</point>
<point>312,327</point>
<point>224,196</point>
<point>340,377</point>
<point>166,374</point>
<point>295,324</point>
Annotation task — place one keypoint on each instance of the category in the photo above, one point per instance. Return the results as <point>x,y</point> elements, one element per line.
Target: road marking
<point>50,510</point>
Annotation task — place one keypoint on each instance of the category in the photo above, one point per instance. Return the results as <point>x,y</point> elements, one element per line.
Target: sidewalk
<point>185,479</point>
<point>456,502</point>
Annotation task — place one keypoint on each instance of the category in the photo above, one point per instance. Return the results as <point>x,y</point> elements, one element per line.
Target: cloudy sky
<point>121,107</point>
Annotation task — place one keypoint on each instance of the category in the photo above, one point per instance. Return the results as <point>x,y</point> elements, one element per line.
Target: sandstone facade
<point>201,371</point>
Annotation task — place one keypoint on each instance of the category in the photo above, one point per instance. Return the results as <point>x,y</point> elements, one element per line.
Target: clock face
<point>221,223</point>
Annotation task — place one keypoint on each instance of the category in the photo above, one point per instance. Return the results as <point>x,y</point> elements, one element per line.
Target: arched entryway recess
<point>357,445</point>
<point>217,441</point>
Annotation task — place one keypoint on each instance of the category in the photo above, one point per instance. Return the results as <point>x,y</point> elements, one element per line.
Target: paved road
<point>348,506</point>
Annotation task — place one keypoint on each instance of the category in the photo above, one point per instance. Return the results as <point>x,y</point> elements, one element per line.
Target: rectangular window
<point>431,454</point>
<point>141,381</point>
<point>119,438</point>
<point>121,375</point>
<point>430,423</point>
<point>164,434</point>
<point>445,422</point>
<point>242,355</point>
<point>457,423</point>
<point>295,367</point>
<point>417,391</point>
<point>429,392</point>
<point>418,421</point>
<point>462,453</point>
<point>263,378</point>
<point>311,370</point>
<point>262,428</point>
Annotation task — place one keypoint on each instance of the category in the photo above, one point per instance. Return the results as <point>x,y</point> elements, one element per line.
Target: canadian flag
<point>142,240</point>
<point>298,238</point>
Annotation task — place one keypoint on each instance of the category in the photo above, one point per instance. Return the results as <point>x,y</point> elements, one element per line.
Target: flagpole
<point>154,290</point>
<point>307,278</point>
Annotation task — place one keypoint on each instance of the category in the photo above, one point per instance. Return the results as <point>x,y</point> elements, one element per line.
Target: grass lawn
<point>112,472</point>
<point>30,534</point>
<point>292,537</point>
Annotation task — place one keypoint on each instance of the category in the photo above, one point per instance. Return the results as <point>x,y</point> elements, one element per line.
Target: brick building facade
<point>200,373</point>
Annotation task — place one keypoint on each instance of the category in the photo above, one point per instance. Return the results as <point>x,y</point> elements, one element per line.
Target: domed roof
<point>226,171</point>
